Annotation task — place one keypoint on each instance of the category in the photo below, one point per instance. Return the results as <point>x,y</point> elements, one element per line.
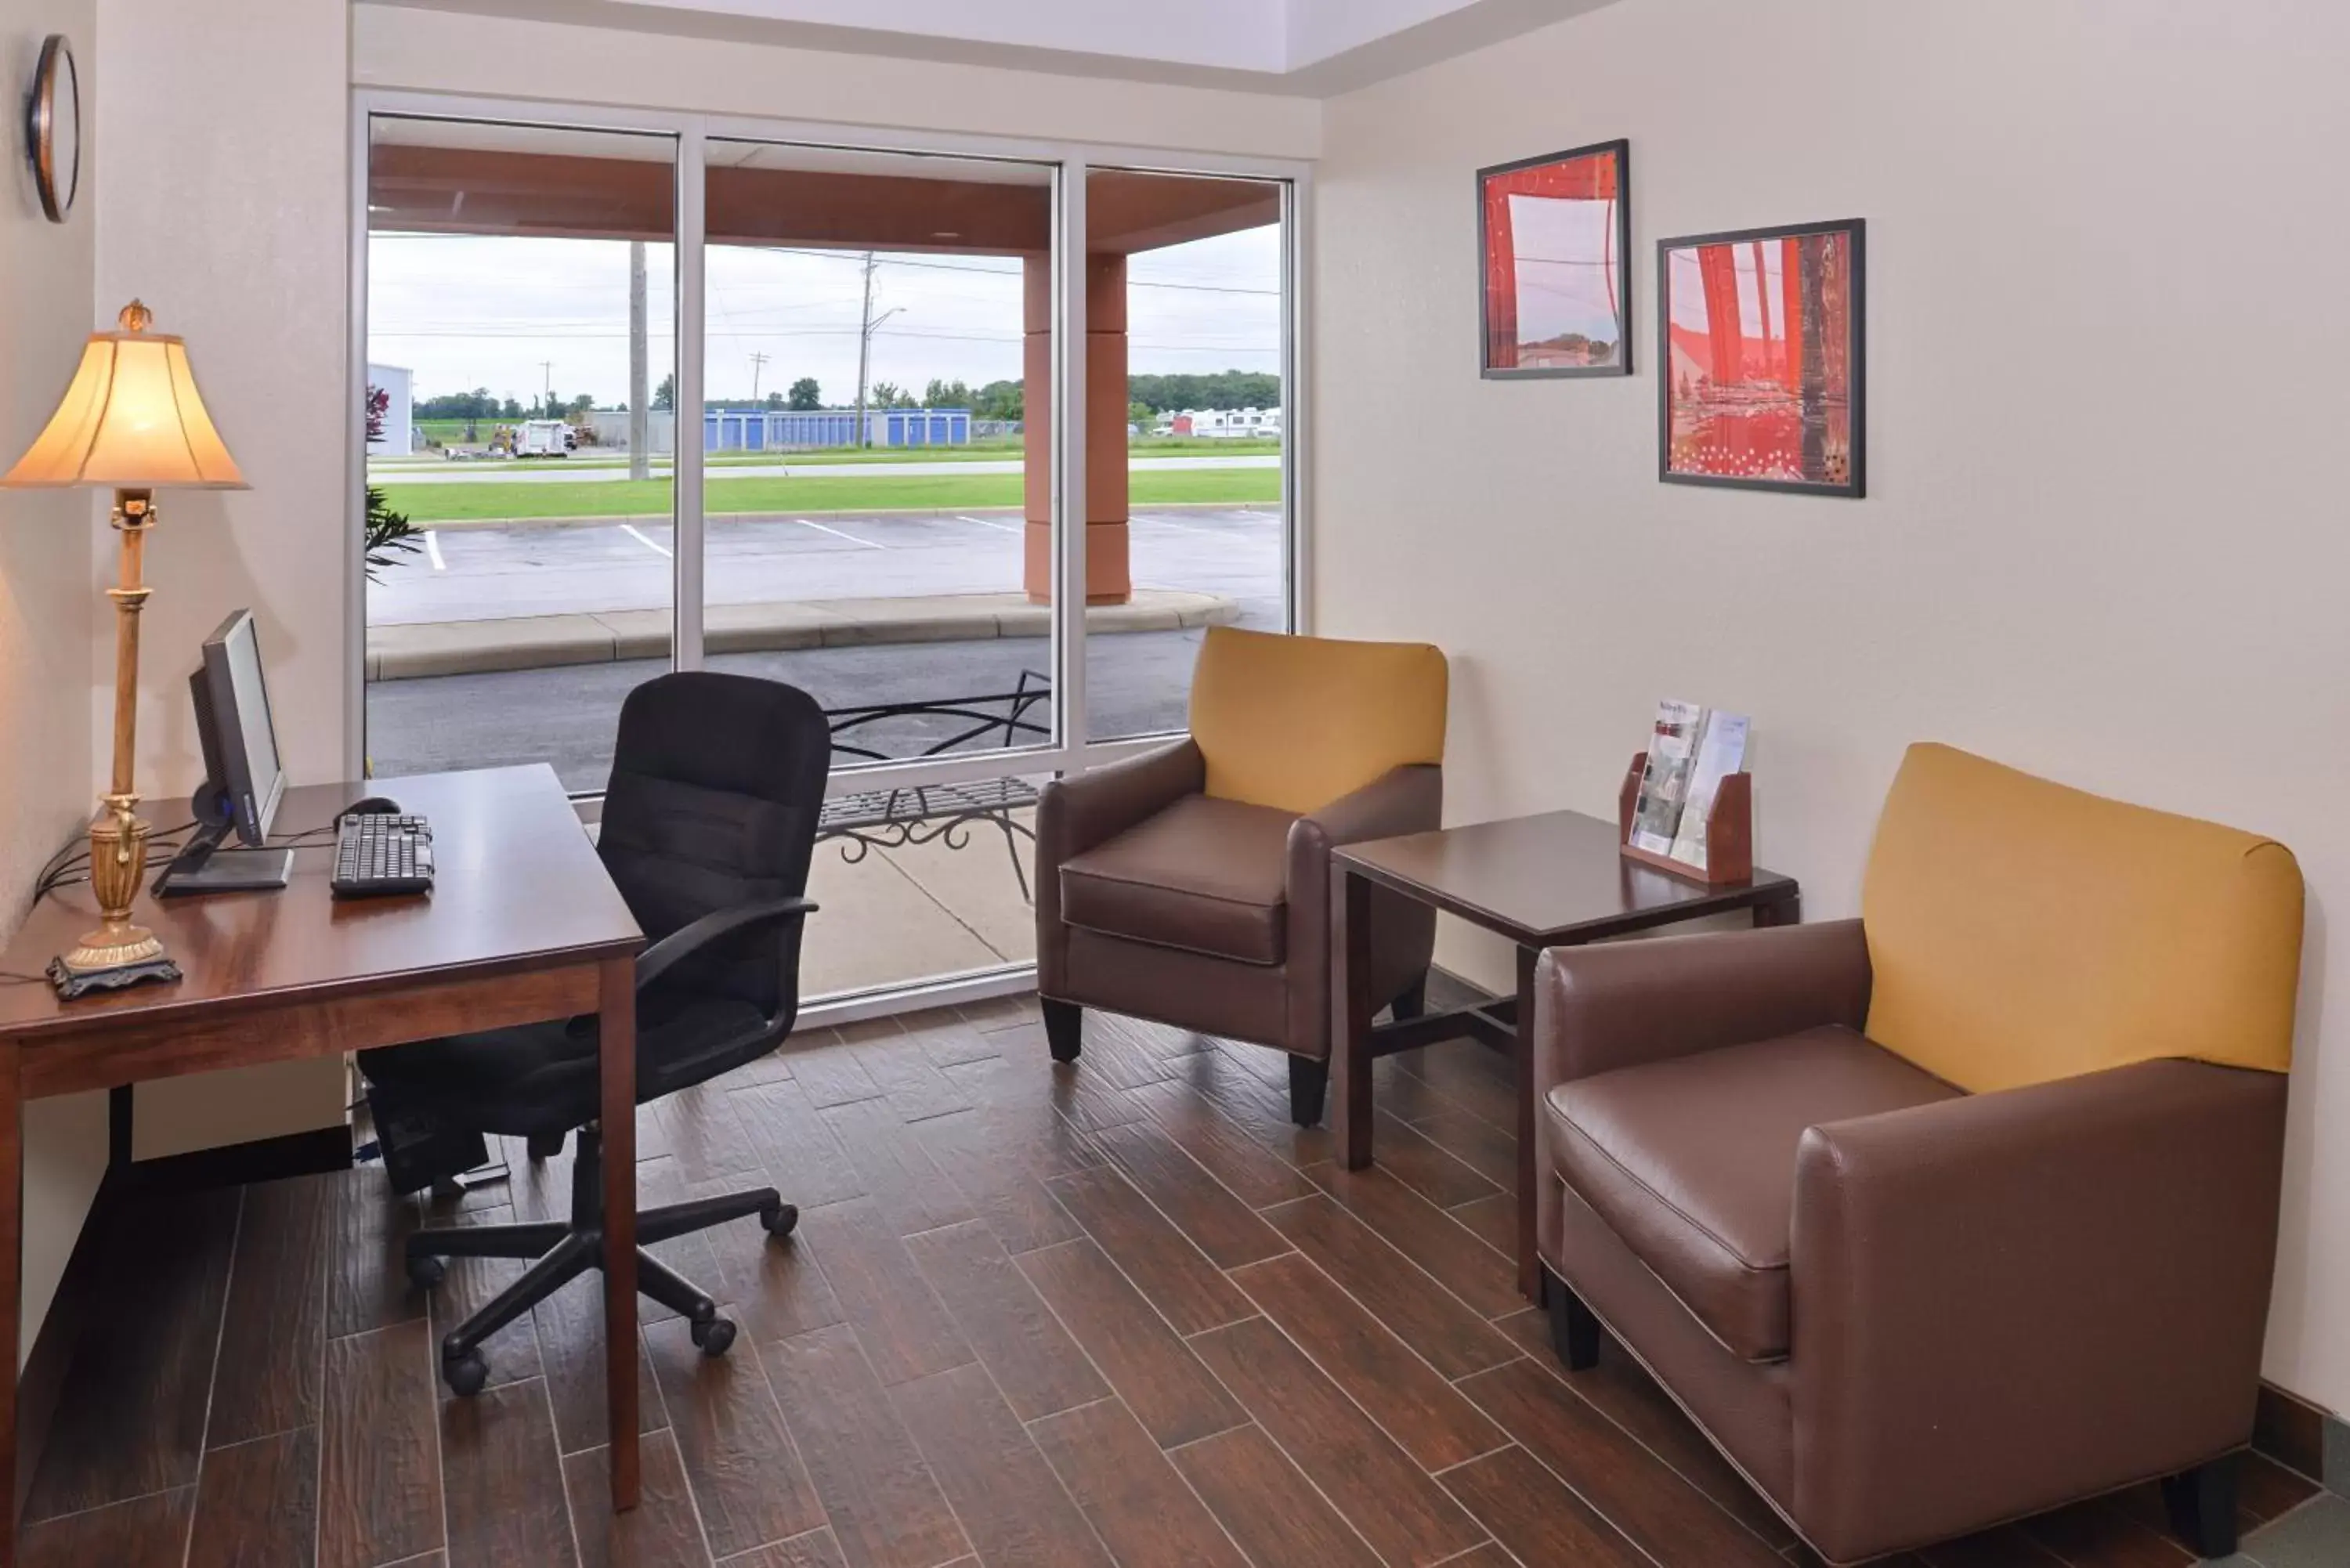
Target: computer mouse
<point>373,805</point>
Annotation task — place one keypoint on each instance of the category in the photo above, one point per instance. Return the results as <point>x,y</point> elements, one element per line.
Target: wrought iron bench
<point>923,813</point>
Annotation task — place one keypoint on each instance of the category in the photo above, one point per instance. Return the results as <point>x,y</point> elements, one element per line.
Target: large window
<point>521,373</point>
<point>1187,525</point>
<point>877,329</point>
<point>852,471</point>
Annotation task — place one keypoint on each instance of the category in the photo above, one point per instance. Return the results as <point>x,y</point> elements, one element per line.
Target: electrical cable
<point>70,865</point>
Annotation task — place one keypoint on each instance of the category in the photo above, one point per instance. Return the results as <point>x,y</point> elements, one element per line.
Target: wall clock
<point>53,128</point>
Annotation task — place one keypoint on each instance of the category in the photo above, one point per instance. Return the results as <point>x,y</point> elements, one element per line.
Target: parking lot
<point>1136,682</point>
<point>483,573</point>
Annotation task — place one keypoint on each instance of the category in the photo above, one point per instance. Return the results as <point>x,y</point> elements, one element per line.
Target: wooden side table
<point>1552,880</point>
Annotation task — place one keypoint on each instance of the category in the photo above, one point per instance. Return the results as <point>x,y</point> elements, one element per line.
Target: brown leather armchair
<point>1958,1211</point>
<point>1191,884</point>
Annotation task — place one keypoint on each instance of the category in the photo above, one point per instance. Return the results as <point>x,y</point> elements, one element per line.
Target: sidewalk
<point>539,642</point>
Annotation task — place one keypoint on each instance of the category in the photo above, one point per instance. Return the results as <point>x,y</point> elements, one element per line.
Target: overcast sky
<point>515,315</point>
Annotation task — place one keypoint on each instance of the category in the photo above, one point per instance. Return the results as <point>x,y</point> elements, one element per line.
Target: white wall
<point>225,207</point>
<point>47,599</point>
<point>1320,29</point>
<point>443,51</point>
<point>2105,537</point>
<point>1241,34</point>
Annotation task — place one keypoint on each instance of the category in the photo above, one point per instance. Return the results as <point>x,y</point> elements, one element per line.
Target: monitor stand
<point>205,868</point>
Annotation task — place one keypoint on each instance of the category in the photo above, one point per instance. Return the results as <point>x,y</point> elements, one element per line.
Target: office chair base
<point>560,1252</point>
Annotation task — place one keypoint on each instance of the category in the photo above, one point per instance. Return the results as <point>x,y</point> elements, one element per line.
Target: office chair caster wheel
<point>466,1375</point>
<point>425,1273</point>
<point>782,1220</point>
<point>715,1336</point>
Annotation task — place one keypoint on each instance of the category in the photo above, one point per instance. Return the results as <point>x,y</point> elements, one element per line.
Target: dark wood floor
<point>1032,1318</point>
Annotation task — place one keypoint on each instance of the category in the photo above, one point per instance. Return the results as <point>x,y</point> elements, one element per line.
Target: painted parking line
<point>838,535</point>
<point>655,545</point>
<point>433,550</point>
<point>990,523</point>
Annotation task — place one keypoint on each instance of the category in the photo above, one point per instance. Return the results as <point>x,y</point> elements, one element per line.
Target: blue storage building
<point>785,430</point>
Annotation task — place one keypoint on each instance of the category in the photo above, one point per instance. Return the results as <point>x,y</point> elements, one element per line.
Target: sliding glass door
<point>971,448</point>
<point>878,336</point>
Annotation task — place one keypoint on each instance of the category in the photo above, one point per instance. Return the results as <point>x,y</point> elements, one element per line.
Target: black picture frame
<point>1855,486</point>
<point>1620,149</point>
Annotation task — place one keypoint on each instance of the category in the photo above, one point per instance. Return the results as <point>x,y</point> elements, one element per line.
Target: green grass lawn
<point>429,504</point>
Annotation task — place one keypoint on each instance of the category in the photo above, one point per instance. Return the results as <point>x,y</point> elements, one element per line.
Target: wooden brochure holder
<point>1729,831</point>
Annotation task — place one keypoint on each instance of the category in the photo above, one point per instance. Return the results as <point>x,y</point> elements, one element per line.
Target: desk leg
<point>1786,911</point>
<point>618,1034</point>
<point>1350,1015</point>
<point>12,1236</point>
<point>1529,1261</point>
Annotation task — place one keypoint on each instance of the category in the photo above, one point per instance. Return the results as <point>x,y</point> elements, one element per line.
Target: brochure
<point>1720,752</point>
<point>1664,782</point>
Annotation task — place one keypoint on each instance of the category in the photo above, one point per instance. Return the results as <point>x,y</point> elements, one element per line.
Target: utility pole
<point>865,349</point>
<point>640,417</point>
<point>758,363</point>
<point>872,324</point>
<point>547,390</point>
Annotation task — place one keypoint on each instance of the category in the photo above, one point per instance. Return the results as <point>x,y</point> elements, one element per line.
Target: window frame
<point>1069,751</point>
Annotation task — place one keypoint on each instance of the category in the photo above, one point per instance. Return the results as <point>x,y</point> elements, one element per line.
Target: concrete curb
<point>462,525</point>
<point>428,648</point>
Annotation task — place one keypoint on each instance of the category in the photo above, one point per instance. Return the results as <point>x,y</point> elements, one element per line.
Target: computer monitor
<point>243,781</point>
<point>233,725</point>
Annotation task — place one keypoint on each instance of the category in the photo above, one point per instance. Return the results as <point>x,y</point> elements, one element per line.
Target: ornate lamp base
<point>117,953</point>
<point>73,980</point>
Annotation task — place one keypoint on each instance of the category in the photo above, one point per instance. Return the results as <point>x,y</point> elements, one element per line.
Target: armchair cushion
<point>1692,1161</point>
<point>1297,721</point>
<point>2020,932</point>
<point>1204,875</point>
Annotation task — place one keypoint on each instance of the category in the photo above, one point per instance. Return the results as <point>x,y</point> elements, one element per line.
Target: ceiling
<point>1303,48</point>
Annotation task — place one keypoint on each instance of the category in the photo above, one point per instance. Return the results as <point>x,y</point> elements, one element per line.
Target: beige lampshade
<point>132,418</point>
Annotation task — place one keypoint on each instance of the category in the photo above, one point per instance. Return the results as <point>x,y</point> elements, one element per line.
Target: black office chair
<point>709,824</point>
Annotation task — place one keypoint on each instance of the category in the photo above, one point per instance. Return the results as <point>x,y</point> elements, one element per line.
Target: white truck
<point>544,438</point>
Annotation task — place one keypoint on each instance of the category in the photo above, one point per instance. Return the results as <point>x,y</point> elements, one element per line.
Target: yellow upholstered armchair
<point>1191,884</point>
<point>1963,1210</point>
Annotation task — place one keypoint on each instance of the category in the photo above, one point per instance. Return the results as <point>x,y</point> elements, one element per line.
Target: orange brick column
<point>1108,580</point>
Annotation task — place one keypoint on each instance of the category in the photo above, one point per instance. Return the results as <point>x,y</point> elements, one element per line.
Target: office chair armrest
<point>664,955</point>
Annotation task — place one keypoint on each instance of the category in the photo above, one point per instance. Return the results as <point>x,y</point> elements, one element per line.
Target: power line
<point>1007,272</point>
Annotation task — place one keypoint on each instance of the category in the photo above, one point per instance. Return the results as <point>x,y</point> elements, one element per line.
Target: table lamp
<point>131,419</point>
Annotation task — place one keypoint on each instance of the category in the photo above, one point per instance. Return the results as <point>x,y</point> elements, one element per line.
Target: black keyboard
<point>375,855</point>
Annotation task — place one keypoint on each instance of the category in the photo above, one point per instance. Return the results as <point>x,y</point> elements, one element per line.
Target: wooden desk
<point>1554,881</point>
<point>523,924</point>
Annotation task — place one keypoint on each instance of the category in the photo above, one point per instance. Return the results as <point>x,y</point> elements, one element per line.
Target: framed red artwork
<point>1759,351</point>
<point>1553,232</point>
